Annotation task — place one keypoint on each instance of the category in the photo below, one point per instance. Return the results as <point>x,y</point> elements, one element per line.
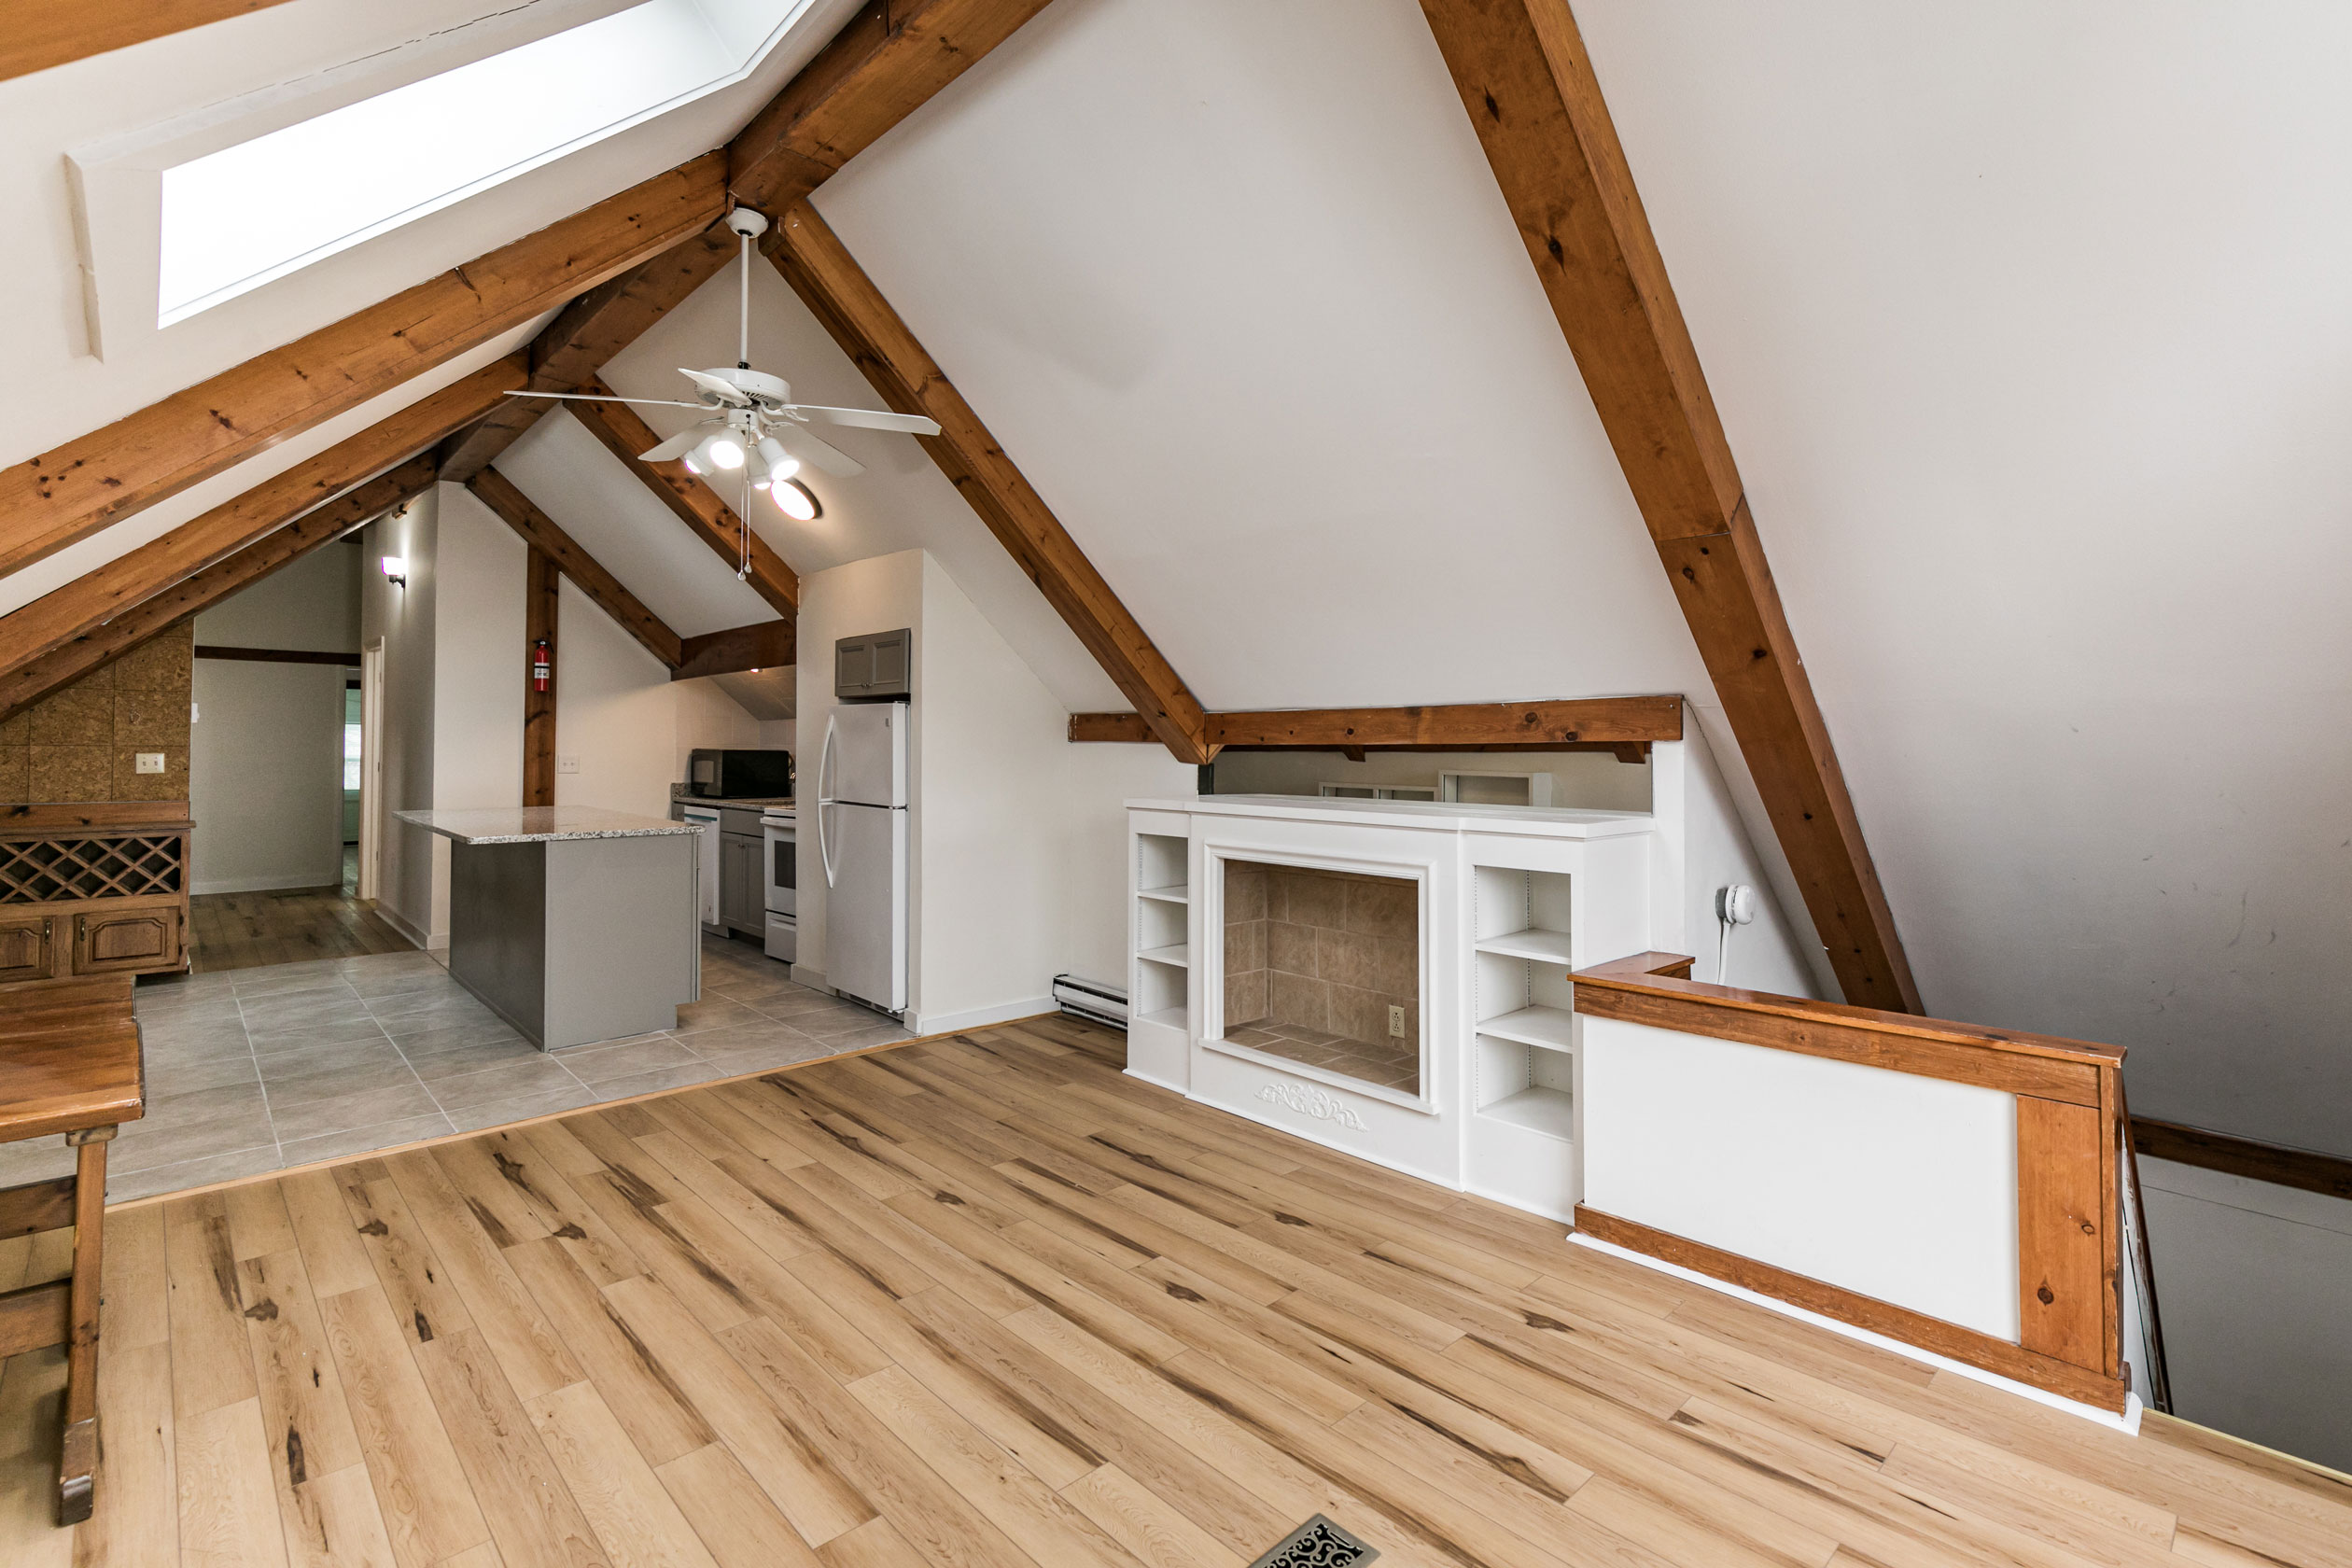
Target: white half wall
<point>1898,1187</point>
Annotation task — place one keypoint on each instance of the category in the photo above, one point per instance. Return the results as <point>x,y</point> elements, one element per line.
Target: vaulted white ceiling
<point>2029,327</point>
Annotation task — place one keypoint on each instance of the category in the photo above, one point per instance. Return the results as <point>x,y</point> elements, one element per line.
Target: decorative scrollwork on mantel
<point>1312,1102</point>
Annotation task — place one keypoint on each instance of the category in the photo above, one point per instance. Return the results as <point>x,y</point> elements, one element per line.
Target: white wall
<point>1023,833</point>
<point>265,775</point>
<point>2252,1283</point>
<point>403,621</point>
<point>310,603</point>
<point>1769,954</point>
<point>622,720</point>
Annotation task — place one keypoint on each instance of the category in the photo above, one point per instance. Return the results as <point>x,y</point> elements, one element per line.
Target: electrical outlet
<point>1396,1022</point>
<point>568,765</point>
<point>147,762</point>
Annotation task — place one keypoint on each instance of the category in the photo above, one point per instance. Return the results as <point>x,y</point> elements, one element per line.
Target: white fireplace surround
<point>1216,853</point>
<point>1510,899</point>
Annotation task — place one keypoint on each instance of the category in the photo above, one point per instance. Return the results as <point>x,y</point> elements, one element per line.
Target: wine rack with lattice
<point>49,870</point>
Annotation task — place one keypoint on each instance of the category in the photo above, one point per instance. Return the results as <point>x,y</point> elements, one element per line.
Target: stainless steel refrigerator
<point>861,842</point>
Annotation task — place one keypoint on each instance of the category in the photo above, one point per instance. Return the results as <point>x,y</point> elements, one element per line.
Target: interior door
<point>865,913</point>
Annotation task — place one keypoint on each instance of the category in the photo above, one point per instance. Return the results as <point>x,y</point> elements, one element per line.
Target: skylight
<point>238,217</point>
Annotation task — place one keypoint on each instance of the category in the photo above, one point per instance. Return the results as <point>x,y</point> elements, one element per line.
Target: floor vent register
<point>1317,1544</point>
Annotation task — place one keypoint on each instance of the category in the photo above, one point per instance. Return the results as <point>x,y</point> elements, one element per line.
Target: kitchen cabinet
<point>742,890</point>
<point>880,664</point>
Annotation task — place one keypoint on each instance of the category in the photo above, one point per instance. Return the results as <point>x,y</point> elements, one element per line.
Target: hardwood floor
<point>983,1302</point>
<point>288,925</point>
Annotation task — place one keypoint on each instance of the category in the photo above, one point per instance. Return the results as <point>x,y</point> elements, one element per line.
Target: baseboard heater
<point>1091,998</point>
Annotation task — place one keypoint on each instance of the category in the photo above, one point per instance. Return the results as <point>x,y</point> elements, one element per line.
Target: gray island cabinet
<point>571,923</point>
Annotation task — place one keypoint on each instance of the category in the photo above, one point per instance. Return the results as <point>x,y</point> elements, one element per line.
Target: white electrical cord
<point>1735,905</point>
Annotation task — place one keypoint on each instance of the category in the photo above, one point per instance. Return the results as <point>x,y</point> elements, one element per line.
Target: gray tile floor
<point>255,1069</point>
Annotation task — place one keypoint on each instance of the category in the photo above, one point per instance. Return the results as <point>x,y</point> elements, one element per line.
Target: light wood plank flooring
<point>985,1303</point>
<point>289,925</point>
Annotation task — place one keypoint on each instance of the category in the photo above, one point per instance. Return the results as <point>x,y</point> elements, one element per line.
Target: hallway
<point>290,925</point>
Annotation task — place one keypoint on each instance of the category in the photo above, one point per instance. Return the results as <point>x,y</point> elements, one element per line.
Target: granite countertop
<point>538,824</point>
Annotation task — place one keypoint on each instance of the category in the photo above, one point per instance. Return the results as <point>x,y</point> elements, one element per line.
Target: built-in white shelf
<point>1551,1027</point>
<point>1178,894</point>
<point>1538,1108</point>
<point>1170,1018</point>
<point>1542,946</point>
<point>1180,953</point>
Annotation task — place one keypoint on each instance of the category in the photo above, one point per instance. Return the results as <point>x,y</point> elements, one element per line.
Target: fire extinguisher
<point>541,657</point>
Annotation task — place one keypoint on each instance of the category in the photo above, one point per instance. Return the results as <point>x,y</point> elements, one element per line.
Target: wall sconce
<point>396,568</point>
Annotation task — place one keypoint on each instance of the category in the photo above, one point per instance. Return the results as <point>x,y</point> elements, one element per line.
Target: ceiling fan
<point>755,429</point>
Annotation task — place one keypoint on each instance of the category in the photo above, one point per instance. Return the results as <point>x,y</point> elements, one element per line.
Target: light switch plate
<point>568,765</point>
<point>149,761</point>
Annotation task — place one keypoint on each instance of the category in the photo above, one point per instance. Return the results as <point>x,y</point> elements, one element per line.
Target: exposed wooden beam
<point>23,685</point>
<point>540,532</point>
<point>45,32</point>
<point>762,645</point>
<point>1623,726</point>
<point>51,500</point>
<point>886,63</point>
<point>1530,93</point>
<point>104,591</point>
<point>541,607</point>
<point>1129,727</point>
<point>695,504</point>
<point>277,655</point>
<point>599,324</point>
<point>830,281</point>
<point>2328,1174</point>
<point>1597,719</point>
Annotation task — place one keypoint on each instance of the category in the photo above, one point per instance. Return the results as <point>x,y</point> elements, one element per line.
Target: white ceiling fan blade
<point>592,397</point>
<point>678,445</point>
<point>823,454</point>
<point>718,386</point>
<point>869,419</point>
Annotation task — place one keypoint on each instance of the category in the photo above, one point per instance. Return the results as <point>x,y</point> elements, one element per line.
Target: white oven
<point>779,879</point>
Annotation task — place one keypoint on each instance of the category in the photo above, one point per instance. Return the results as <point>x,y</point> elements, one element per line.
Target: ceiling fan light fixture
<point>795,500</point>
<point>720,449</point>
<point>781,465</point>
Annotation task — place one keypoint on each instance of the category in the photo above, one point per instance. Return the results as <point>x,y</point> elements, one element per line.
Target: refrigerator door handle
<point>824,801</point>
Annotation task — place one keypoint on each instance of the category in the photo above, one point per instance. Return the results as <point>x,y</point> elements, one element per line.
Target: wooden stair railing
<point>2073,1161</point>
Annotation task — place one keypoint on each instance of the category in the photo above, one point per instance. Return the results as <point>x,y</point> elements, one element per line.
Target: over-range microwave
<point>713,774</point>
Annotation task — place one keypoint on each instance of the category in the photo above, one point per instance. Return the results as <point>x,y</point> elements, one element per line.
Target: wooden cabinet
<point>24,946</point>
<point>98,888</point>
<point>129,936</point>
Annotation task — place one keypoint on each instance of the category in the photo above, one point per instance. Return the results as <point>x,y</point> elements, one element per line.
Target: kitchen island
<point>573,924</point>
